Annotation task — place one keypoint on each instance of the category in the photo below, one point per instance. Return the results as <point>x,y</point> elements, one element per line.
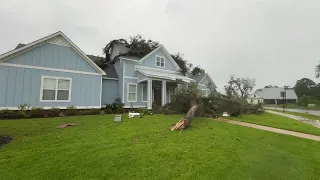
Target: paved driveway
<point>314,112</point>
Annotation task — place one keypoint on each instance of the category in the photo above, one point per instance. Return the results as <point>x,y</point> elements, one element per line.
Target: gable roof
<point>110,72</point>
<point>165,52</point>
<point>274,93</point>
<point>201,77</point>
<point>198,78</point>
<point>42,40</point>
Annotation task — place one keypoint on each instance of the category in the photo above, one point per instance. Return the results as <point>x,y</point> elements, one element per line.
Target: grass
<point>277,121</point>
<point>145,149</point>
<point>305,115</point>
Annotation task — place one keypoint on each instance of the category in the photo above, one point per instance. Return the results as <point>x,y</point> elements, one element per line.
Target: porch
<point>158,86</point>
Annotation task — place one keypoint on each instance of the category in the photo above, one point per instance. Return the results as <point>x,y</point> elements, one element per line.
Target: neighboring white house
<point>272,96</point>
<point>254,99</point>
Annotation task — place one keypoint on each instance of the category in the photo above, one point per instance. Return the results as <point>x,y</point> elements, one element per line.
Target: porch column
<point>164,93</point>
<point>149,94</point>
<point>276,102</point>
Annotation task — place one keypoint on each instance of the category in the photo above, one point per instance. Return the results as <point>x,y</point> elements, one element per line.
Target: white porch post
<point>149,94</point>
<point>164,93</point>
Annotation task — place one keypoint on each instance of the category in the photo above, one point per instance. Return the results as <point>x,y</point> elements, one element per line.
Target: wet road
<point>314,112</point>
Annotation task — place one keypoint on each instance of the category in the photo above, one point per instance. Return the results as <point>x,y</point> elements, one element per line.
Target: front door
<point>157,96</point>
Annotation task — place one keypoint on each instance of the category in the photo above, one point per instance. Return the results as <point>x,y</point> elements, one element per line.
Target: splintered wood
<point>185,122</point>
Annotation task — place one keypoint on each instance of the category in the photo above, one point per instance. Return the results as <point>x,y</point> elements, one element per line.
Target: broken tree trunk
<point>185,122</point>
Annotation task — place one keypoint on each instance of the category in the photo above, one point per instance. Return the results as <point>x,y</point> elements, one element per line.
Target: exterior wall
<point>139,102</point>
<point>53,56</point>
<point>22,85</point>
<point>151,61</point>
<point>254,100</point>
<point>110,91</point>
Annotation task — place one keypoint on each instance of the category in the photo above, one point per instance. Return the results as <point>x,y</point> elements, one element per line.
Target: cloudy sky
<point>274,41</point>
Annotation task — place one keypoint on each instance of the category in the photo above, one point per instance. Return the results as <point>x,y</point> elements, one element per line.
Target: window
<point>144,93</point>
<point>55,89</point>
<point>205,92</point>
<point>159,61</point>
<point>254,95</point>
<point>132,92</point>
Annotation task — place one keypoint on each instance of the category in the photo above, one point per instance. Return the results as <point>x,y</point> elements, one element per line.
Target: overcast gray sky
<point>274,41</point>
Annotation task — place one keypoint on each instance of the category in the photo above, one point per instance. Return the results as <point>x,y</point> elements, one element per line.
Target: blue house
<point>142,82</point>
<point>54,72</point>
<point>49,72</point>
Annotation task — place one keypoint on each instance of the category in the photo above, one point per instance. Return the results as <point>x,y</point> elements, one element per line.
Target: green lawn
<point>145,149</point>
<point>305,115</point>
<point>277,121</point>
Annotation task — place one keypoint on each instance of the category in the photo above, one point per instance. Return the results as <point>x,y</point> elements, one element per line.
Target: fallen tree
<point>185,122</point>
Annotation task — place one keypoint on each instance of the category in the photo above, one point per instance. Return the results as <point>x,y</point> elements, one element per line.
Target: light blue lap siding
<point>22,86</point>
<point>151,61</point>
<point>53,56</point>
<point>110,91</point>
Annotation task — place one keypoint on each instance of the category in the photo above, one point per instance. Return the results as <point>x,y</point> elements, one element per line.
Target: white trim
<point>143,92</point>
<point>164,61</point>
<point>56,89</point>
<point>134,106</point>
<point>110,78</point>
<point>143,80</point>
<point>39,41</point>
<point>59,44</point>
<point>59,107</point>
<point>156,69</point>
<point>132,60</point>
<point>123,73</point>
<point>101,92</point>
<point>136,93</point>
<point>48,69</point>
<point>149,98</point>
<point>203,78</point>
<point>129,77</point>
<point>164,93</point>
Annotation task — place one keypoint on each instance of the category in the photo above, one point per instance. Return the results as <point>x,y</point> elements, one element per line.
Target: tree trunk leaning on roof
<point>185,122</point>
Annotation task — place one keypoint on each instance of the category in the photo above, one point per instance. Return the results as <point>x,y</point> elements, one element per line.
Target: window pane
<point>162,64</point>
<point>48,94</point>
<point>145,97</point>
<point>158,63</point>
<point>63,95</point>
<point>63,84</point>
<point>132,88</point>
<point>132,96</point>
<point>49,83</point>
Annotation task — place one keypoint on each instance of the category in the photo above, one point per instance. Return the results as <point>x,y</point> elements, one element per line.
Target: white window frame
<point>161,58</point>
<point>132,92</point>
<point>142,85</point>
<point>56,90</point>
<point>206,92</point>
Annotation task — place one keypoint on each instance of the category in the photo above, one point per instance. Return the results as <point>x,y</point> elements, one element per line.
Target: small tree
<point>183,64</point>
<point>240,87</point>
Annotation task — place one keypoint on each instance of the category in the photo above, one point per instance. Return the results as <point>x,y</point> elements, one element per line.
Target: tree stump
<point>185,122</point>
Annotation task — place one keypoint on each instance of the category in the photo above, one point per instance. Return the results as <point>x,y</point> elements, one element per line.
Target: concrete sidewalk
<point>271,129</point>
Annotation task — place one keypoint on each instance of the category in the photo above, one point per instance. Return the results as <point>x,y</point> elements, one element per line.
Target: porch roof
<point>164,75</point>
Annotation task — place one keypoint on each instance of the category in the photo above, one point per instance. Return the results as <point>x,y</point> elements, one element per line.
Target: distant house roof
<point>123,48</point>
<point>19,45</point>
<point>274,93</point>
<point>198,78</point>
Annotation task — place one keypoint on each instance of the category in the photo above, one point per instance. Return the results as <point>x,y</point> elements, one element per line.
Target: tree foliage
<point>183,64</point>
<point>239,87</point>
<point>271,86</point>
<point>307,87</point>
<point>318,71</point>
<point>197,71</point>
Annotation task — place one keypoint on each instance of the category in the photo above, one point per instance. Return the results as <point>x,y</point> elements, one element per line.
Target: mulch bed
<point>5,140</point>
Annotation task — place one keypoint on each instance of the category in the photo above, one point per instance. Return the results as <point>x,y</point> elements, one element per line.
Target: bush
<point>115,107</point>
<point>22,108</point>
<point>71,110</point>
<point>305,100</point>
<point>36,111</point>
<point>253,108</point>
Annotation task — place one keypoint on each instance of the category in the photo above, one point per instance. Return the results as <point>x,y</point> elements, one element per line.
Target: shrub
<point>22,108</point>
<point>36,111</point>
<point>253,108</point>
<point>115,107</point>
<point>54,112</point>
<point>71,110</point>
